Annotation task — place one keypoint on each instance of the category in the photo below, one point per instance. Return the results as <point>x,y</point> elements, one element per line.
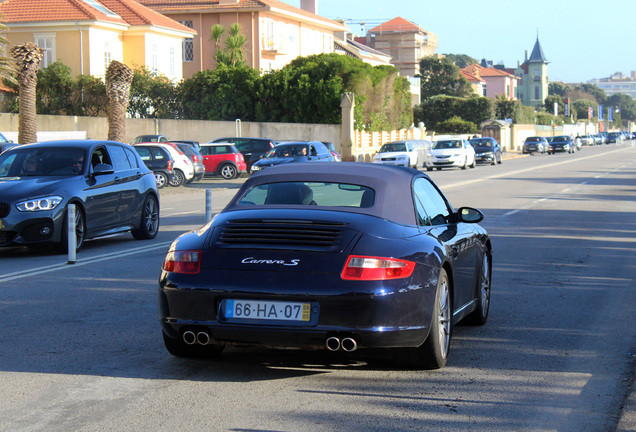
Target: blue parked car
<point>293,152</point>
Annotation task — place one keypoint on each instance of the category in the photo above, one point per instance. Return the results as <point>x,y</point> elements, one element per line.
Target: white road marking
<point>81,262</point>
<point>534,168</point>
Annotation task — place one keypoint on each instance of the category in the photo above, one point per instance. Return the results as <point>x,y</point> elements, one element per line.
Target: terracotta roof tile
<point>128,12</point>
<point>135,13</point>
<point>470,76</point>
<point>14,11</point>
<point>398,24</point>
<point>213,5</point>
<point>481,71</point>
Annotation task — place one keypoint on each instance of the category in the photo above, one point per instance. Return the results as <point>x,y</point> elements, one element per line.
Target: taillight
<point>188,262</point>
<point>376,268</point>
<point>169,165</point>
<point>195,158</point>
<point>238,157</point>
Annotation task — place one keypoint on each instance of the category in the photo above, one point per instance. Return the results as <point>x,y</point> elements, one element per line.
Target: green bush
<point>455,125</point>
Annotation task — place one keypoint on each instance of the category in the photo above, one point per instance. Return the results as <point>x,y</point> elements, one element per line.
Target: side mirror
<point>470,215</point>
<point>102,169</point>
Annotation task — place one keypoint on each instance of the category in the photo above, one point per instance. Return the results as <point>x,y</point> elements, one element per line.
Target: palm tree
<point>232,54</point>
<point>28,57</point>
<point>234,44</point>
<point>118,80</point>
<point>7,64</point>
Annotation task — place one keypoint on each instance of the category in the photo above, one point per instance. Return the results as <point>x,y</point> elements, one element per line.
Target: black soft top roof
<point>392,185</point>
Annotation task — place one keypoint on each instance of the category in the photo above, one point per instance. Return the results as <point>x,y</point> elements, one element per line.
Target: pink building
<point>498,82</point>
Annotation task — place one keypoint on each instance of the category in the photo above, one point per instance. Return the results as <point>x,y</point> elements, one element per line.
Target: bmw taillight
<point>376,268</point>
<point>188,262</point>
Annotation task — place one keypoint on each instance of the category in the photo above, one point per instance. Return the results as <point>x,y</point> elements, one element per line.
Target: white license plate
<point>267,310</point>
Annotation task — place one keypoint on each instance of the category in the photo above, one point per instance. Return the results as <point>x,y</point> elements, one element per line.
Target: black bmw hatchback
<point>112,189</point>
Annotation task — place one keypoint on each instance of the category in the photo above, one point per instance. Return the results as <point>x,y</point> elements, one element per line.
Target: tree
<point>549,102</point>
<point>8,66</point>
<point>88,97</point>
<point>455,125</point>
<point>625,104</point>
<point>225,93</point>
<point>441,77</point>
<point>232,53</point>
<point>597,93</point>
<point>507,109</point>
<point>28,57</point>
<point>581,107</point>
<point>54,91</point>
<point>461,60</point>
<point>559,89</point>
<point>152,95</point>
<point>118,80</point>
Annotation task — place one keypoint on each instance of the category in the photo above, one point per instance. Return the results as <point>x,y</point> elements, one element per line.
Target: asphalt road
<point>81,348</point>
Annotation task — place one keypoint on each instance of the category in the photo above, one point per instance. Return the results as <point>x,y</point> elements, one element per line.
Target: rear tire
<point>178,348</point>
<point>149,224</point>
<point>178,178</point>
<point>228,171</point>
<point>433,353</point>
<point>480,315</point>
<point>161,179</point>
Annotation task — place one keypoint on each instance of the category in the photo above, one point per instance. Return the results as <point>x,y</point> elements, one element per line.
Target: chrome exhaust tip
<point>349,344</point>
<point>189,337</point>
<point>203,338</point>
<point>332,343</point>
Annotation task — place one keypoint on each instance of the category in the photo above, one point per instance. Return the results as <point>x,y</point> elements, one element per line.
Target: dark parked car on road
<point>561,143</point>
<point>614,137</point>
<point>159,161</point>
<point>110,185</point>
<point>332,256</point>
<point>487,150</point>
<point>535,145</point>
<point>253,149</point>
<point>293,152</point>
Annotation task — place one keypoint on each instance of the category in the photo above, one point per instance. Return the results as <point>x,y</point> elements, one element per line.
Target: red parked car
<point>222,159</point>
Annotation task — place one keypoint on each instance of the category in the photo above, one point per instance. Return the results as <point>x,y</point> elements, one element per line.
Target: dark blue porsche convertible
<point>335,256</point>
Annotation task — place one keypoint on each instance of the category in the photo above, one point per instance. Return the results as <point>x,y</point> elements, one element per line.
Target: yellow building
<point>86,35</point>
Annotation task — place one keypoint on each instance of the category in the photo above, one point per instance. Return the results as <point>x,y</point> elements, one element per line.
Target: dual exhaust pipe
<point>346,344</point>
<point>332,343</point>
<point>192,338</point>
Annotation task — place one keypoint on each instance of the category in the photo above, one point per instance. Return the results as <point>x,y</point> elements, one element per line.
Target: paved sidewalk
<point>627,422</point>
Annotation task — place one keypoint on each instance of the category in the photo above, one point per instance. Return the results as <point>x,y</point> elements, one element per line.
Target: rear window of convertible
<point>310,193</point>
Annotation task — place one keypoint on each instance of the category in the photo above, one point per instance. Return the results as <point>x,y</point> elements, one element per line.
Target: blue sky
<point>582,39</point>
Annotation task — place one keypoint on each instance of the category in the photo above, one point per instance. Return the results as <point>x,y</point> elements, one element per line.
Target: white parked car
<point>183,169</point>
<point>401,153</point>
<point>448,153</point>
